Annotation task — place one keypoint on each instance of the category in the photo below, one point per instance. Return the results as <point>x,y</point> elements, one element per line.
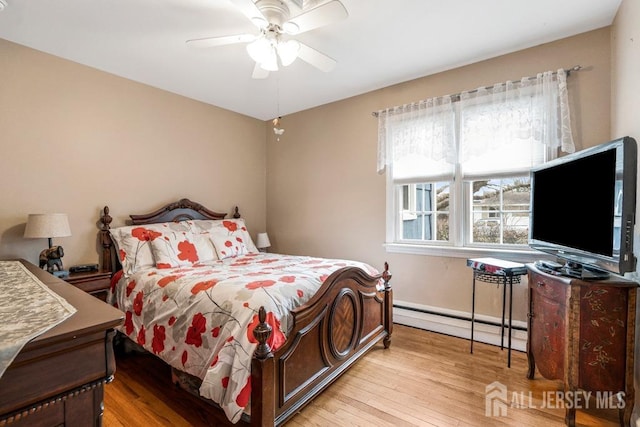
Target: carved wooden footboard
<point>345,318</point>
<point>349,314</point>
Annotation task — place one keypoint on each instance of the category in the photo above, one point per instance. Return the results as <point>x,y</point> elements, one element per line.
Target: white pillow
<point>221,231</point>
<point>133,243</point>
<point>175,249</point>
<point>204,246</point>
<point>228,246</point>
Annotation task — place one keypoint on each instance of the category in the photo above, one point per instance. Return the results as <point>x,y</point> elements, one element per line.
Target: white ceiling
<point>381,43</point>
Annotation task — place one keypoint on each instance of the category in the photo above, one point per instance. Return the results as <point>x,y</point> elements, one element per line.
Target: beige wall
<point>625,66</point>
<point>625,113</point>
<point>325,198</point>
<point>74,139</point>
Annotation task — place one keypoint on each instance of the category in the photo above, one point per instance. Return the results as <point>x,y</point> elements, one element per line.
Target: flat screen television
<point>583,209</point>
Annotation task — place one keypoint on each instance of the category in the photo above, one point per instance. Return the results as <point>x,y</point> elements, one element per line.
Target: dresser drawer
<point>549,288</point>
<point>35,377</point>
<point>48,415</point>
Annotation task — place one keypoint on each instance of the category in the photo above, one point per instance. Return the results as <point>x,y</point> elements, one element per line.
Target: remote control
<point>552,265</point>
<point>83,268</point>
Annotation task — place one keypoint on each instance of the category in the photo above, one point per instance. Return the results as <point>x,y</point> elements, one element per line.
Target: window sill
<point>515,255</point>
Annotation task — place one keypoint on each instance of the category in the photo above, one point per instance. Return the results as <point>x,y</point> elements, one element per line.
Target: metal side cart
<point>497,271</point>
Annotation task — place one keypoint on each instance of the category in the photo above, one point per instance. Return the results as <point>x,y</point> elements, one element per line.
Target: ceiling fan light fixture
<point>270,63</point>
<point>259,50</point>
<point>274,20</point>
<point>288,51</point>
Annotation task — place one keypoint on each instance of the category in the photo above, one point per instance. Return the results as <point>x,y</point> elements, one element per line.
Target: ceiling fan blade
<point>221,41</point>
<point>251,11</point>
<point>322,15</point>
<point>315,58</point>
<point>259,72</point>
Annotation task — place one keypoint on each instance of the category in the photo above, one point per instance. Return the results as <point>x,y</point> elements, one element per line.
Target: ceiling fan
<point>270,48</point>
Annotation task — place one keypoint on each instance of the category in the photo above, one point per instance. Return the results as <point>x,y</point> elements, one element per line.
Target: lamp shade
<point>288,51</point>
<point>259,50</point>
<point>47,226</point>
<point>263,241</point>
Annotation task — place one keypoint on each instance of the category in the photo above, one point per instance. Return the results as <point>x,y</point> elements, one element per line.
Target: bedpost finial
<point>386,276</point>
<point>236,213</point>
<point>106,218</point>
<point>262,332</point>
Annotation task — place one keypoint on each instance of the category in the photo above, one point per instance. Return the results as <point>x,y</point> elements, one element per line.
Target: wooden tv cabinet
<point>58,377</point>
<point>582,332</point>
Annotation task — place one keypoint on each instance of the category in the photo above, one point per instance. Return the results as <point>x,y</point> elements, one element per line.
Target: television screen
<point>583,207</point>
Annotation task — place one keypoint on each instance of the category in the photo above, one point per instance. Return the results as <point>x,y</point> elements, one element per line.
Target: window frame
<point>460,224</point>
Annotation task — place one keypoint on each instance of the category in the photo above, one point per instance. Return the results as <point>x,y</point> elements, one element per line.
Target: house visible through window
<point>500,211</point>
<point>458,167</point>
<point>427,218</point>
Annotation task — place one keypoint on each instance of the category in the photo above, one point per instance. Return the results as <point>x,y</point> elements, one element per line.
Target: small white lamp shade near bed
<point>48,226</point>
<point>262,243</point>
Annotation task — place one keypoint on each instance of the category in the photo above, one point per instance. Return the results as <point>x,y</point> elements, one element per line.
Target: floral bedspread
<point>200,319</point>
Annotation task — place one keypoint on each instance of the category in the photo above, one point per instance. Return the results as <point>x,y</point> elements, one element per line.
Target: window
<point>500,211</point>
<point>427,218</point>
<point>458,168</point>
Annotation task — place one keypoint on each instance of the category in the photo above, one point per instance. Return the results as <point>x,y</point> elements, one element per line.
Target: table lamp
<point>262,243</point>
<point>48,226</point>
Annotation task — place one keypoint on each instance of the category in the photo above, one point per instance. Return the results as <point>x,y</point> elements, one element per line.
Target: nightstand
<point>95,283</point>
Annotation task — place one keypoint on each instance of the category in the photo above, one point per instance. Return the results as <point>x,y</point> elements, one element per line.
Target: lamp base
<point>61,273</point>
<point>50,259</point>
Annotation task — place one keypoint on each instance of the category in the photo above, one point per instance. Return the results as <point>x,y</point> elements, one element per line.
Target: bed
<point>291,325</point>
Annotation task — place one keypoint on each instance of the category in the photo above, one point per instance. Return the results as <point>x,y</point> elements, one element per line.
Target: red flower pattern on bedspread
<point>260,284</point>
<point>200,318</point>
<point>203,286</point>
<point>243,397</point>
<point>157,344</point>
<point>168,279</point>
<point>137,304</point>
<point>142,336</point>
<point>130,287</point>
<point>128,323</point>
<point>195,331</point>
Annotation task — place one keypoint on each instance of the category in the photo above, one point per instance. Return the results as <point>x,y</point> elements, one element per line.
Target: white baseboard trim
<point>458,324</point>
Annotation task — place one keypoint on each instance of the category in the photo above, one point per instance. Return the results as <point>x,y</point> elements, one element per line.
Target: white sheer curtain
<point>418,140</point>
<point>509,126</point>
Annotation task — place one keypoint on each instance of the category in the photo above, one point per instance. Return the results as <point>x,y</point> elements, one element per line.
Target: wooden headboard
<point>183,209</point>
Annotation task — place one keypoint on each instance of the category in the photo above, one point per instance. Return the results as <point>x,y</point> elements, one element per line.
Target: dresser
<point>582,332</point>
<point>58,377</point>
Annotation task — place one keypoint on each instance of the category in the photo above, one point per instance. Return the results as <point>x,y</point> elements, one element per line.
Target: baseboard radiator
<point>458,324</point>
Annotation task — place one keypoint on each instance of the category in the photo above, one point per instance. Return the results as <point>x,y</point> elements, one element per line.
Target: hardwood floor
<point>423,379</point>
